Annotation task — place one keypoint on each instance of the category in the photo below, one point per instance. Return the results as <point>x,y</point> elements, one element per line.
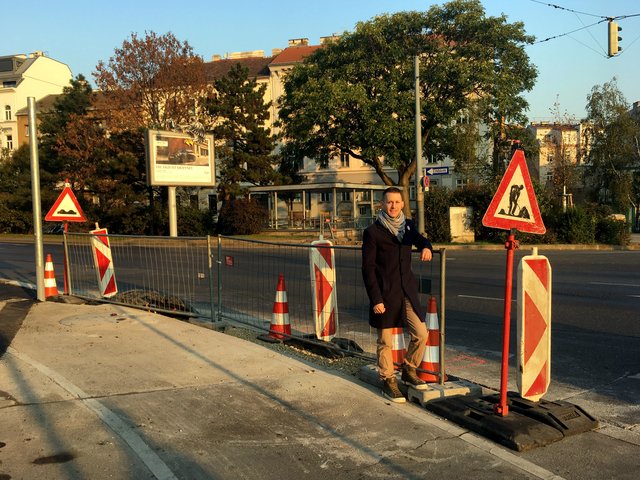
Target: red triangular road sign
<point>66,208</point>
<point>514,205</point>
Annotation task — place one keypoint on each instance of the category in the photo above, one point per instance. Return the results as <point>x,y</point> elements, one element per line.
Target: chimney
<point>298,42</point>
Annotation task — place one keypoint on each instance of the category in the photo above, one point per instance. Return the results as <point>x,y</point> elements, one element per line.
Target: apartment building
<point>22,76</point>
<point>558,142</point>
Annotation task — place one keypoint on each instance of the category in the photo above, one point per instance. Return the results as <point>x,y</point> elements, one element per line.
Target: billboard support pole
<point>173,213</point>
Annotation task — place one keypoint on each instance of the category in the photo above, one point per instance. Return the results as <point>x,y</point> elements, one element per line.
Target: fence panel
<point>235,279</point>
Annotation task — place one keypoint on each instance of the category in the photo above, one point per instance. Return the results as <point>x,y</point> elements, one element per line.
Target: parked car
<point>182,156</point>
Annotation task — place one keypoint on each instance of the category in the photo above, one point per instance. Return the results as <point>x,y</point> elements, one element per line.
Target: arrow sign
<point>514,205</point>
<point>438,171</point>
<point>66,208</point>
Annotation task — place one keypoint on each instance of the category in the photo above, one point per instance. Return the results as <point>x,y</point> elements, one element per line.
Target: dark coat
<point>386,270</point>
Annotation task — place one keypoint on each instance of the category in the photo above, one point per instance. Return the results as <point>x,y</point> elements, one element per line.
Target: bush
<point>576,225</point>
<point>241,216</point>
<point>436,212</point>
<point>193,222</point>
<point>612,232</point>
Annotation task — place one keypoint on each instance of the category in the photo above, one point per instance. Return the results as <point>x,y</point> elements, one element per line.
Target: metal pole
<point>67,267</point>
<point>210,262</point>
<point>419,191</point>
<point>173,213</point>
<point>443,278</point>
<point>35,197</point>
<point>219,278</point>
<point>502,408</point>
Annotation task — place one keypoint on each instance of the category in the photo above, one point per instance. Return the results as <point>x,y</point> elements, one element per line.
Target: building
<point>558,142</point>
<point>345,188</point>
<point>22,76</point>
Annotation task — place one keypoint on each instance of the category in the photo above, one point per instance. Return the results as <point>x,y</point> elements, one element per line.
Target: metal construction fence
<point>229,278</point>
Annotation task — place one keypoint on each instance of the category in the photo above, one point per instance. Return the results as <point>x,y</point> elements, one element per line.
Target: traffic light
<point>614,38</point>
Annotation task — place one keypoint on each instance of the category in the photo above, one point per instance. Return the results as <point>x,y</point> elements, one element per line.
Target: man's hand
<point>379,308</point>
<point>425,255</point>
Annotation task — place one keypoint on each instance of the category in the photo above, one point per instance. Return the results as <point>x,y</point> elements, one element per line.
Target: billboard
<point>177,159</point>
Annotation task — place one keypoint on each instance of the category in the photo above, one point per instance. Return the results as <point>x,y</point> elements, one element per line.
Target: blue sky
<point>81,33</point>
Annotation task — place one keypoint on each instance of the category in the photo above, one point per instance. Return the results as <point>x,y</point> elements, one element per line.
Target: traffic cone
<point>280,320</point>
<point>50,288</point>
<point>398,349</point>
<point>431,357</point>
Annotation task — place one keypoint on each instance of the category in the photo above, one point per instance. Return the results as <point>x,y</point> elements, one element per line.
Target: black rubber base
<point>528,424</point>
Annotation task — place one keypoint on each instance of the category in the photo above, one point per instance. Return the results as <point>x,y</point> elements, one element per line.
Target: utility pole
<point>419,163</point>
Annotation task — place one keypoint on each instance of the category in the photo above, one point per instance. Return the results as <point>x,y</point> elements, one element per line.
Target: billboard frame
<point>177,159</point>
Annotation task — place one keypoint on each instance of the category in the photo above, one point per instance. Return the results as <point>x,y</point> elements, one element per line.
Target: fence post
<point>210,259</point>
<point>219,261</point>
<point>443,276</point>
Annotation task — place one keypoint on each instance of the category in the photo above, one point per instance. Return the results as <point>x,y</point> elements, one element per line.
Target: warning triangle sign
<point>66,208</point>
<point>514,204</point>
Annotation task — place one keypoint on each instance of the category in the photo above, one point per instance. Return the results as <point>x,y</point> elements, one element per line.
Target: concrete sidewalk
<point>104,391</point>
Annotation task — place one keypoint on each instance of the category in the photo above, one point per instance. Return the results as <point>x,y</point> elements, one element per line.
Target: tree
<point>613,152</point>
<point>240,112</point>
<point>356,95</point>
<point>152,82</point>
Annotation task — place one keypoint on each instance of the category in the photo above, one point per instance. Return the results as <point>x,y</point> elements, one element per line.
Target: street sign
<point>437,170</point>
<point>510,208</point>
<point>533,374</point>
<point>425,183</point>
<point>66,208</point>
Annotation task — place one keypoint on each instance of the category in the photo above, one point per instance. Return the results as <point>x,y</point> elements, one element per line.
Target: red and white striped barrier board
<point>534,327</point>
<point>103,262</point>
<point>323,289</point>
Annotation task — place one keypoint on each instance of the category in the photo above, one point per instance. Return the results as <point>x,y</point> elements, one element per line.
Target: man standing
<point>393,290</point>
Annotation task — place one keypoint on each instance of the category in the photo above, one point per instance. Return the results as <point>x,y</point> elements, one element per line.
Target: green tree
<point>356,95</point>
<point>240,114</point>
<point>613,153</point>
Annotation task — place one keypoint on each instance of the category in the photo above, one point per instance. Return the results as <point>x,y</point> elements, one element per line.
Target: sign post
<point>66,209</point>
<point>508,211</point>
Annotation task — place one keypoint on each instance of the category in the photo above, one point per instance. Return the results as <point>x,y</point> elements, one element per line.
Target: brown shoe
<point>411,379</point>
<point>391,391</point>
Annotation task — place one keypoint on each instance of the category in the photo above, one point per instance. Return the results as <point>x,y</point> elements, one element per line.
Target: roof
<point>294,54</point>
<point>258,67</point>
<point>43,105</point>
<point>299,187</point>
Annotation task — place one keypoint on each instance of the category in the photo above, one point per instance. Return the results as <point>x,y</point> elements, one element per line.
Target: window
<point>344,160</point>
<point>550,176</point>
<point>461,182</point>
<point>325,196</point>
<point>345,196</point>
<point>549,158</point>
<point>412,192</point>
<point>7,112</point>
<point>10,142</point>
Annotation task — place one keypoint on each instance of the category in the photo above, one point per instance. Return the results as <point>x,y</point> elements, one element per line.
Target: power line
<point>567,9</point>
<point>572,31</point>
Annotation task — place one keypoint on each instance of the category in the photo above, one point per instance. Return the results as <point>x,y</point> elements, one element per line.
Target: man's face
<point>392,204</point>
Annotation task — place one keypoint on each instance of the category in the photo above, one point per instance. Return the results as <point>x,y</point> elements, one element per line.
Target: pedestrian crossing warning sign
<point>514,206</point>
<point>66,208</point>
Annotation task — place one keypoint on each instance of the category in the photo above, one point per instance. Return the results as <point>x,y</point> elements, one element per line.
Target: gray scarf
<point>395,225</point>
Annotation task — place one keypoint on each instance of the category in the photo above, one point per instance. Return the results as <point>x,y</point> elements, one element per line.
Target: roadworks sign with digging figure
<point>514,205</point>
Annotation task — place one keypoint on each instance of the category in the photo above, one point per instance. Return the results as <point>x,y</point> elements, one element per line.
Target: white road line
<point>616,284</point>
<point>483,298</point>
<point>153,462</point>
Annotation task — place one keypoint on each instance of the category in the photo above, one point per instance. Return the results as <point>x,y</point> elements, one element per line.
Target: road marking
<point>635,377</point>
<point>153,462</point>
<point>483,298</point>
<point>616,284</point>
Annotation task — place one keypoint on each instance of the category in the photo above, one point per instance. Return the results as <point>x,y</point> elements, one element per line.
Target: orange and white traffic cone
<point>431,357</point>
<point>398,350</point>
<point>280,321</point>
<point>50,287</point>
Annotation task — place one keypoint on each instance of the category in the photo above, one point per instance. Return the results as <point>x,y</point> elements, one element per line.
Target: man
<point>393,290</point>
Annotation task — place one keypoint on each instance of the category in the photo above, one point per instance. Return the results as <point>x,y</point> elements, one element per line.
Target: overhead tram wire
<point>577,12</point>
